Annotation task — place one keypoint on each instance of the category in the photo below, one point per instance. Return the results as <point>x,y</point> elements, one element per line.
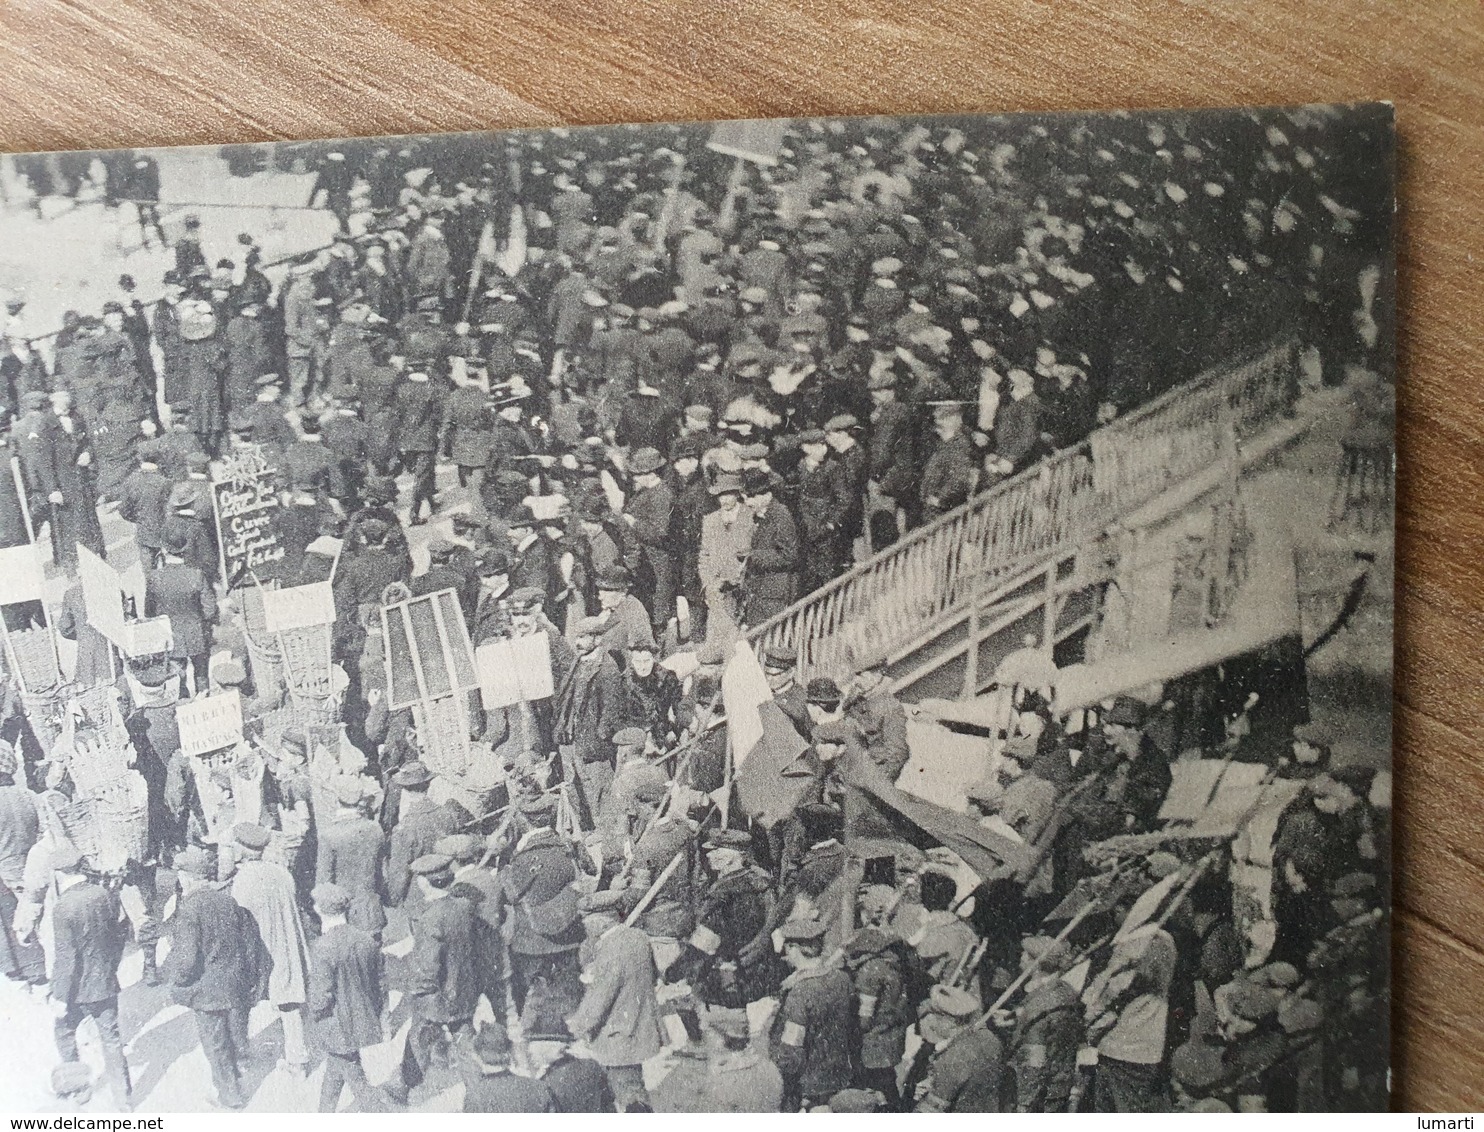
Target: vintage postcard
<point>844,615</point>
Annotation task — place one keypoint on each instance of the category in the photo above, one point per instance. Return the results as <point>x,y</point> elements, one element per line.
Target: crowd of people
<point>656,394</point>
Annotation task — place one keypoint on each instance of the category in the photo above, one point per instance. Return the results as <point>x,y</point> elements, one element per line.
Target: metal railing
<point>894,598</point>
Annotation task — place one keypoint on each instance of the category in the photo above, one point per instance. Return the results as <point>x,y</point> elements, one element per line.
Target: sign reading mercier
<point>210,723</point>
<point>245,498</point>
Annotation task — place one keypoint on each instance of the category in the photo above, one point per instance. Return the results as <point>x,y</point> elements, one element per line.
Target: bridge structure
<point>1126,539</point>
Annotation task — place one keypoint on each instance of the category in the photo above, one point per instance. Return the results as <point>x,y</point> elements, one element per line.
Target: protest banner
<point>102,596</point>
<point>209,723</point>
<point>298,607</point>
<point>245,500</point>
<point>21,575</point>
<point>515,671</point>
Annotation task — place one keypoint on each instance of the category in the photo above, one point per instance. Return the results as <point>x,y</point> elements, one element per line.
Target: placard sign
<point>298,607</point>
<point>101,595</point>
<point>514,671</point>
<point>21,575</point>
<point>209,723</point>
<point>245,500</point>
<point>149,637</point>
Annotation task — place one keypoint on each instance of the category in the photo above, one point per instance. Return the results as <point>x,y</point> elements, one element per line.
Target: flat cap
<point>250,836</point>
<point>646,460</point>
<point>780,656</point>
<point>952,1002</point>
<point>432,865</point>
<point>459,846</point>
<point>349,791</point>
<point>801,931</point>
<point>729,839</point>
<point>630,737</point>
<point>589,627</point>
<point>605,901</point>
<point>193,860</point>
<point>841,422</point>
<point>882,379</point>
<point>330,897</point>
<point>1126,712</point>
<point>527,597</point>
<point>822,690</point>
<point>614,578</point>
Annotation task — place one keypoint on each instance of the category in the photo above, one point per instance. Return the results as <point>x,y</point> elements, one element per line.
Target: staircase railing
<point>892,599</point>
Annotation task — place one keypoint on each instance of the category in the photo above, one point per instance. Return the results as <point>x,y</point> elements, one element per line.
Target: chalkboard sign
<point>245,499</point>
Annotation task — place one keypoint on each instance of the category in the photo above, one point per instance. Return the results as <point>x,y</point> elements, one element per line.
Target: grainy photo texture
<point>838,615</point>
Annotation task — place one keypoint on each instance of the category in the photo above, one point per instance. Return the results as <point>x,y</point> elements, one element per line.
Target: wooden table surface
<point>77,74</point>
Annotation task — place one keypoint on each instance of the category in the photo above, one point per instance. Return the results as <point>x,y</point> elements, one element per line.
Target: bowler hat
<point>414,773</point>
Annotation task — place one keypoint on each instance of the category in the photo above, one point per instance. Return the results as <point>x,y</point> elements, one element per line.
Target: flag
<point>774,776</point>
<point>513,258</point>
<point>744,689</point>
<point>768,752</point>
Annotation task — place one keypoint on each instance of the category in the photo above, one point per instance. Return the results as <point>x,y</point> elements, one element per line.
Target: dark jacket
<point>578,1084</point>
<point>589,705</point>
<point>216,955</point>
<point>419,416</point>
<point>350,853</point>
<point>772,575</point>
<point>443,976</point>
<point>415,834</point>
<point>505,1092</point>
<point>346,994</point>
<point>89,933</point>
<point>892,456</point>
<point>537,888</point>
<point>183,594</point>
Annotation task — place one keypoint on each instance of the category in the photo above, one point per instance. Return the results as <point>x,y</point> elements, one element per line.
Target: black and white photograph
<point>882,614</point>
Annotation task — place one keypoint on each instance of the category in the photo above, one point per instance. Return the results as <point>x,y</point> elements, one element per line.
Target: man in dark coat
<point>729,954</point>
<point>93,665</point>
<point>545,927</point>
<point>589,711</point>
<point>144,500</point>
<point>650,514</point>
<point>420,823</point>
<point>825,507</point>
<point>346,998</point>
<point>771,579</point>
<point>350,851</point>
<point>183,593</point>
<point>812,1036</point>
<point>215,968</point>
<point>891,456</point>
<point>443,972</point>
<point>63,476</point>
<point>949,475</point>
<point>88,930</point>
<point>418,423</point>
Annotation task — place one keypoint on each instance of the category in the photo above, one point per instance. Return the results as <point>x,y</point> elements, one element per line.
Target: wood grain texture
<point>93,73</point>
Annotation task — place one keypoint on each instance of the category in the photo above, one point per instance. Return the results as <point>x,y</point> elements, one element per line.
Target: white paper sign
<point>149,637</point>
<point>299,607</point>
<point>514,671</point>
<point>209,723</point>
<point>101,595</point>
<point>21,575</point>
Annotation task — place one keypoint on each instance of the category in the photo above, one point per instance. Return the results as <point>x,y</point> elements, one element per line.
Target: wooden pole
<point>654,889</point>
